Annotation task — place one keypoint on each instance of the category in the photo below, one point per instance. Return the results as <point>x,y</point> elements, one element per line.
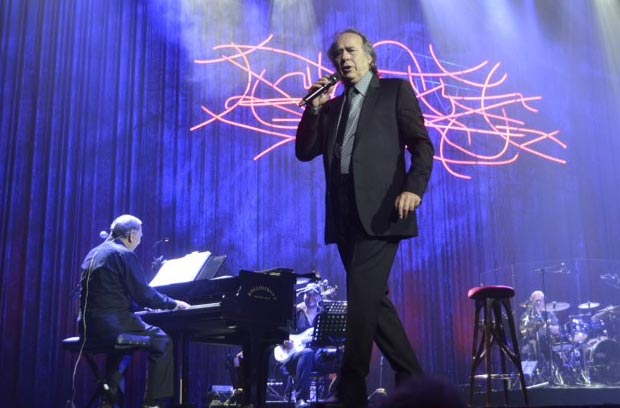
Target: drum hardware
<point>582,355</point>
<point>587,351</point>
<point>568,359</point>
<point>541,349</point>
<point>590,355</point>
<point>552,373</point>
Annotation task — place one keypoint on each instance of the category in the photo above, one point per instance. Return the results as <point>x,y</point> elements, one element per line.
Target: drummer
<point>537,324</point>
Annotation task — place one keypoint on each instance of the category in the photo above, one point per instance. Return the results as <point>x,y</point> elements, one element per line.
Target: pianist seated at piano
<point>295,355</point>
<point>112,280</point>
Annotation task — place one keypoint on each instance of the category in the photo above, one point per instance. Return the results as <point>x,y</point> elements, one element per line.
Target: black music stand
<point>331,324</point>
<point>328,339</point>
<point>211,267</point>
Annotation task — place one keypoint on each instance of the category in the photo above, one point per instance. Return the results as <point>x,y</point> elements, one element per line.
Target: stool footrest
<point>122,341</point>
<point>119,351</point>
<point>507,376</point>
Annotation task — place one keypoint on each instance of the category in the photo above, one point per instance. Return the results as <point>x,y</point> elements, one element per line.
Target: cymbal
<point>525,303</point>
<point>609,310</point>
<point>589,305</point>
<point>556,306</point>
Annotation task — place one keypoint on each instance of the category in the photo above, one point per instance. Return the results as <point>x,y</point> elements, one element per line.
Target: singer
<point>371,198</point>
<point>112,279</point>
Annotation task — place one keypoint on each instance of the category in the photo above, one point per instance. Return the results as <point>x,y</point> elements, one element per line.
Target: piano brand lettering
<point>262,292</point>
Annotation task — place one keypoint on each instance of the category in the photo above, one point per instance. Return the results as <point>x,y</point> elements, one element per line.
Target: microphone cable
<point>71,403</point>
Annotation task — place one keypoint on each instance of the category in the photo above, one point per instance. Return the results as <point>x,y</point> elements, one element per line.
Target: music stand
<point>211,267</point>
<point>328,339</point>
<point>331,324</point>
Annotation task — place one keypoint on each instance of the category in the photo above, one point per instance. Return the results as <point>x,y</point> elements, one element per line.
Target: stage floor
<point>549,396</point>
<point>557,396</point>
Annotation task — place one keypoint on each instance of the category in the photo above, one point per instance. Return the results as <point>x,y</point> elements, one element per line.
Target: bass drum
<point>602,357</point>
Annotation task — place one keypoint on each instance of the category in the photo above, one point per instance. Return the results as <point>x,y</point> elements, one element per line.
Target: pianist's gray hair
<point>123,225</point>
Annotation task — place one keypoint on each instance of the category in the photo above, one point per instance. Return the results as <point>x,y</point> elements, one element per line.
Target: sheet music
<point>180,270</point>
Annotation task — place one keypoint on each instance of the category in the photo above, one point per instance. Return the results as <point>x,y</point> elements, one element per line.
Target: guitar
<point>297,342</point>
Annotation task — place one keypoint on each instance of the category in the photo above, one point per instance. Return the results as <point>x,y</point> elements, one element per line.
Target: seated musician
<point>112,280</point>
<point>536,325</point>
<point>296,358</point>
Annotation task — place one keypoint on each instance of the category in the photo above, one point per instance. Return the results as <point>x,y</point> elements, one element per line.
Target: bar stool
<point>119,351</point>
<point>489,301</point>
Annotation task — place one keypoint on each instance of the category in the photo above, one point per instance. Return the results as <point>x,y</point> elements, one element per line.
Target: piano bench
<point>118,351</point>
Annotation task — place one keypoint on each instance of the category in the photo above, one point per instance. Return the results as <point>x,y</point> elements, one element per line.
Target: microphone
<point>158,261</point>
<point>331,81</point>
<point>160,241</point>
<point>104,235</point>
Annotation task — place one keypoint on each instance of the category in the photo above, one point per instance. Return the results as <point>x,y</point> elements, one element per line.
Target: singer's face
<point>351,59</point>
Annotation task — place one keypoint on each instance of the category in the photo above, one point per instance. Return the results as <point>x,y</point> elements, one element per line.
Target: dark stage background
<point>163,110</point>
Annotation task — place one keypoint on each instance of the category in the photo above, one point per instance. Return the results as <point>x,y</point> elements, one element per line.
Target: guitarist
<point>300,360</point>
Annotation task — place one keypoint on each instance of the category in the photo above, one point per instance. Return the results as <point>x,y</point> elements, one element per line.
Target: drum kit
<point>583,350</point>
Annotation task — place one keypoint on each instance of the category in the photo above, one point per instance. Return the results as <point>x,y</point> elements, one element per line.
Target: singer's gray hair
<point>123,225</point>
<point>369,49</point>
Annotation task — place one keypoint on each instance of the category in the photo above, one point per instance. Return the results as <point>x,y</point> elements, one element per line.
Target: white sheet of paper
<point>180,270</point>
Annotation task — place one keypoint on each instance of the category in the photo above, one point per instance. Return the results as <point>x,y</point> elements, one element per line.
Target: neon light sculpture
<point>463,107</point>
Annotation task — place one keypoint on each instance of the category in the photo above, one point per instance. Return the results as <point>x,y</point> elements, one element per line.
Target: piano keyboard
<point>192,307</point>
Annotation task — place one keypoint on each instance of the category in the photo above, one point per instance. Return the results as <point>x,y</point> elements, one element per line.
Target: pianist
<point>112,280</point>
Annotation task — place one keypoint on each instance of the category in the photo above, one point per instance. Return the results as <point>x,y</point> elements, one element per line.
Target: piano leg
<point>181,371</point>
<point>256,366</point>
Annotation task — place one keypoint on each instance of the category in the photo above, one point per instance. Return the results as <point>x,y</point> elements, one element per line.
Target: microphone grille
<point>333,78</point>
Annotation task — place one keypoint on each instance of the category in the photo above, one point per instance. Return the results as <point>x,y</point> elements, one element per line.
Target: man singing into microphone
<point>371,198</point>
<point>112,279</point>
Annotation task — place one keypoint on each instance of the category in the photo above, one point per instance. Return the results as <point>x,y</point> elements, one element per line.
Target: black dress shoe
<point>111,397</point>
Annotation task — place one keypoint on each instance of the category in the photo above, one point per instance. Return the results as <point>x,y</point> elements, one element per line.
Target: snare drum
<point>602,357</point>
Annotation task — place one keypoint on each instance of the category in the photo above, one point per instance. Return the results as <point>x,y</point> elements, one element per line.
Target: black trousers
<point>371,316</point>
<point>160,372</point>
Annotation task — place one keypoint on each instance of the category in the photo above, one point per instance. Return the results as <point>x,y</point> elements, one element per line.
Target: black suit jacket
<point>390,122</point>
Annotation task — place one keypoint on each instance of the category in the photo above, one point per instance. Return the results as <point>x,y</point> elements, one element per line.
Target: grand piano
<point>254,310</point>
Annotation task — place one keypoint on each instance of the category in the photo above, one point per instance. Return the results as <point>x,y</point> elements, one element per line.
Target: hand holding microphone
<point>318,91</point>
